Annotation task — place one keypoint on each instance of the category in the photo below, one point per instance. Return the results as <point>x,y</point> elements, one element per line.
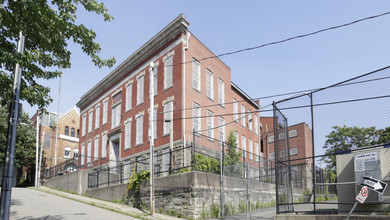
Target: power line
<point>282,94</point>
<point>287,39</point>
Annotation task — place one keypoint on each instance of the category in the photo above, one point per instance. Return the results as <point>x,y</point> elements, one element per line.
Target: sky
<point>305,63</point>
<point>224,26</point>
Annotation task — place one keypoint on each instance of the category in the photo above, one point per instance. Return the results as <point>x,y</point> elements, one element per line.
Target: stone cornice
<point>177,26</point>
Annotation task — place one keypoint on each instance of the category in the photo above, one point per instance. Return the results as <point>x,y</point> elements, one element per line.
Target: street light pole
<point>11,138</point>
<point>36,151</point>
<point>151,136</point>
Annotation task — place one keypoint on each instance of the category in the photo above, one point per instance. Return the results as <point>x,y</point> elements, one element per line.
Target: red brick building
<point>114,115</point>
<point>300,144</point>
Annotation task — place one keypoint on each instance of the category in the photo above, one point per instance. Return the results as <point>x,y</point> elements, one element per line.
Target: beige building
<point>65,141</point>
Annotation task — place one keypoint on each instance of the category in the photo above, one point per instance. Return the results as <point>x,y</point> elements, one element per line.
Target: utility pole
<point>36,151</point>
<point>58,115</point>
<point>11,138</point>
<point>151,136</point>
<point>171,140</point>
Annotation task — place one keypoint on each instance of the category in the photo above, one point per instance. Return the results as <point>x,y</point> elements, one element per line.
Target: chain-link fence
<point>334,137</point>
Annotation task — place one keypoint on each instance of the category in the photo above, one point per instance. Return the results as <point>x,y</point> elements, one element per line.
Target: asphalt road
<point>36,205</point>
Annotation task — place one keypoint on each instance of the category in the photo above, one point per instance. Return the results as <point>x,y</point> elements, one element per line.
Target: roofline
<point>244,94</point>
<point>178,25</point>
<point>68,111</point>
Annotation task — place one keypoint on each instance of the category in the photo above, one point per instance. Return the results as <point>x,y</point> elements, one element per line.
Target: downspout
<point>188,34</point>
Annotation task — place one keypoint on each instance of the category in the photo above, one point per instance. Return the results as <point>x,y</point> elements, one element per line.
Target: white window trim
<point>243,115</point>
<point>140,94</point>
<point>90,119</point>
<point>67,149</point>
<point>210,125</point>
<point>167,66</point>
<point>129,96</point>
<point>235,110</point>
<point>96,149</point>
<point>105,111</point>
<point>139,138</point>
<point>196,113</point>
<point>128,134</point>
<point>167,116</point>
<point>209,83</point>
<point>198,86</point>
<point>97,117</point>
<point>221,92</point>
<point>104,145</point>
<point>250,149</point>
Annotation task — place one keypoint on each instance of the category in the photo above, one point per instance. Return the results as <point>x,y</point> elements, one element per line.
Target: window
<point>67,152</point>
<point>96,149</point>
<point>129,95</point>
<point>243,141</point>
<point>210,125</point>
<point>221,124</point>
<point>47,141</point>
<point>97,117</point>
<point>271,139</point>
<point>139,130</point>
<point>272,156</point>
<point>66,130</point>
<point>76,153</point>
<point>293,151</point>
<point>196,117</point>
<point>168,72</point>
<point>168,107</point>
<point>221,92</point>
<point>242,115</point>
<point>257,151</point>
<point>128,134</point>
<point>155,123</point>
<point>209,84</point>
<point>78,132</point>
<point>250,121</point>
<point>89,153</point>
<point>235,110</point>
<point>116,110</point>
<point>282,153</point>
<point>116,116</point>
<point>104,145</point>
<point>256,124</point>
<point>72,132</point>
<point>250,149</point>
<point>293,133</point>
<point>82,154</point>
<point>282,136</point>
<point>155,82</point>
<point>195,74</point>
<point>140,90</point>
<point>84,125</point>
<point>105,111</point>
<point>90,116</point>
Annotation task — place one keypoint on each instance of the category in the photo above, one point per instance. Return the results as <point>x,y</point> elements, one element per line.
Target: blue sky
<point>225,26</point>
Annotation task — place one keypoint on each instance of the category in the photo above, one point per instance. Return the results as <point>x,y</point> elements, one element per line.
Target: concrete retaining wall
<point>75,182</point>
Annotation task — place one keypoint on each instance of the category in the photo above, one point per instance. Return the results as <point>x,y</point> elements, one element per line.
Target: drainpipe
<point>188,34</point>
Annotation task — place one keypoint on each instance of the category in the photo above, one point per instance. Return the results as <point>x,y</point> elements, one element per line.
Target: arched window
<point>67,152</point>
<point>72,132</point>
<point>47,141</point>
<point>66,130</point>
<point>76,153</point>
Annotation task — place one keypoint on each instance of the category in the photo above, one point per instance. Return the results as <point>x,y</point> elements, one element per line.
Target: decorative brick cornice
<point>177,26</point>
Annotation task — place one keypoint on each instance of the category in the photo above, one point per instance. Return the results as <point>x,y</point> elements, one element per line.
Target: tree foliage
<point>343,138</point>
<point>232,157</point>
<point>25,140</point>
<point>48,27</point>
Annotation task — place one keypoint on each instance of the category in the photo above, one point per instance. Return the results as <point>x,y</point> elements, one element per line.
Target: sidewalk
<point>115,207</point>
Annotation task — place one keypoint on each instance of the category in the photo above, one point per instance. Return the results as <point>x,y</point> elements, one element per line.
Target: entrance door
<point>114,156</point>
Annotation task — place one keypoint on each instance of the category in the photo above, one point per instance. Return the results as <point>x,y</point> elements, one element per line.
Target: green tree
<point>25,140</point>
<point>343,138</point>
<point>232,157</point>
<point>48,27</point>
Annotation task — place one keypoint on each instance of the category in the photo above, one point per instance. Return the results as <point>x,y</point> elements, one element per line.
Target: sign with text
<point>362,195</point>
<point>374,184</point>
<point>367,161</point>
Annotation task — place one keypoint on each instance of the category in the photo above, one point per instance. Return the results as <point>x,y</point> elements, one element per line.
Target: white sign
<point>362,159</point>
<point>373,184</point>
<point>362,195</point>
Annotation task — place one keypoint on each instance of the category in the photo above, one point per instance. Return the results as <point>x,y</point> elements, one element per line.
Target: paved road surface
<point>36,205</point>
